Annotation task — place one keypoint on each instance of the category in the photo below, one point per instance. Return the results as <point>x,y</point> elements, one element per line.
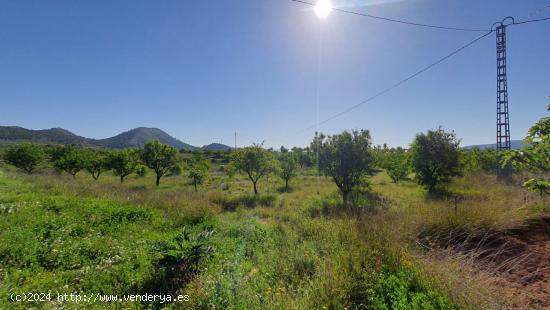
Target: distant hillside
<point>516,144</point>
<point>139,136</point>
<point>54,135</point>
<point>216,147</point>
<point>133,138</point>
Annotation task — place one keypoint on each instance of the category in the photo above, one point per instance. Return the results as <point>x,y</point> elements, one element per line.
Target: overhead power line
<point>403,81</point>
<point>397,20</point>
<point>532,21</point>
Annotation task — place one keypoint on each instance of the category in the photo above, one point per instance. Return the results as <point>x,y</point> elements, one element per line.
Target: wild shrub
<point>402,290</point>
<point>178,260</point>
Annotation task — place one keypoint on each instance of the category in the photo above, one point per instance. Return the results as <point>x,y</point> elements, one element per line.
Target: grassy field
<point>224,248</point>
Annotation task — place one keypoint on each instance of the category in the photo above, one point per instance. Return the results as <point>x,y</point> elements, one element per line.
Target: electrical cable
<point>396,20</point>
<point>528,21</point>
<point>403,81</point>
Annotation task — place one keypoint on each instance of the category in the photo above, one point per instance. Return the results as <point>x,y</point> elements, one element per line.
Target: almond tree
<point>346,158</point>
<point>161,158</point>
<point>198,170</point>
<point>123,162</point>
<point>255,162</point>
<point>95,162</point>
<point>435,158</point>
<point>26,156</point>
<point>72,161</point>
<point>288,166</point>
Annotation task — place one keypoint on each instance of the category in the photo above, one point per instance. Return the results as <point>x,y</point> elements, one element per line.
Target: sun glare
<point>323,8</point>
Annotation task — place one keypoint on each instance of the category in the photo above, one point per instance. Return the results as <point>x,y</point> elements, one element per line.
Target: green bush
<point>401,290</point>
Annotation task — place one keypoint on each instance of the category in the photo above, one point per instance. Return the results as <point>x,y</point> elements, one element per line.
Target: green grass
<point>54,240</point>
<point>227,248</point>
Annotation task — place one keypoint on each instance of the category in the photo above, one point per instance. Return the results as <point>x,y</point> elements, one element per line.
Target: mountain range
<point>515,145</point>
<point>133,138</point>
<point>136,137</point>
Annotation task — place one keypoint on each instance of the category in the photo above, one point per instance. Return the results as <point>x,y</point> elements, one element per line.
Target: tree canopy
<point>435,157</point>
<point>198,170</point>
<point>161,158</point>
<point>123,162</point>
<point>71,160</point>
<point>95,162</point>
<point>26,156</point>
<point>255,162</point>
<point>288,166</point>
<point>346,158</point>
<point>534,156</point>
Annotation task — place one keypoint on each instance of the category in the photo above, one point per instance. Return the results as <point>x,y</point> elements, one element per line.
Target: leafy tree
<point>347,159</point>
<point>176,170</point>
<point>26,156</point>
<point>72,161</point>
<point>141,170</point>
<point>198,170</point>
<point>255,162</point>
<point>534,156</point>
<point>95,162</point>
<point>55,152</point>
<point>303,156</point>
<point>123,162</point>
<point>289,166</point>
<point>435,157</point>
<point>479,160</point>
<point>161,158</point>
<point>314,148</point>
<point>397,164</point>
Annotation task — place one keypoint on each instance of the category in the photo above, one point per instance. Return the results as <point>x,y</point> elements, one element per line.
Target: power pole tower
<point>503,115</point>
<point>235,141</point>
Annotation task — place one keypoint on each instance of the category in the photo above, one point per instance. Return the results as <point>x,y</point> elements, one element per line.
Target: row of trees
<point>161,158</point>
<point>347,158</point>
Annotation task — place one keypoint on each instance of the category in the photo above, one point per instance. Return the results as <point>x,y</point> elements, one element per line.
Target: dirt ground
<point>521,258</point>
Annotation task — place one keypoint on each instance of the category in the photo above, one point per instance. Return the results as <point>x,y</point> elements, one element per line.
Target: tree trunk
<point>345,198</point>
<point>255,189</point>
<point>286,184</point>
<point>121,179</point>
<point>195,183</point>
<point>158,180</point>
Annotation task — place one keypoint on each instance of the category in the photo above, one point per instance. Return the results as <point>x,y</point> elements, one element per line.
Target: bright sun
<point>323,8</point>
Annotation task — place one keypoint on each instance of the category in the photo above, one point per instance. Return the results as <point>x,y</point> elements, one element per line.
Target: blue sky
<point>201,70</point>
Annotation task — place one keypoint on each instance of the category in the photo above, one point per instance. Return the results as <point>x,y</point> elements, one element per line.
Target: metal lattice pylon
<point>503,116</point>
